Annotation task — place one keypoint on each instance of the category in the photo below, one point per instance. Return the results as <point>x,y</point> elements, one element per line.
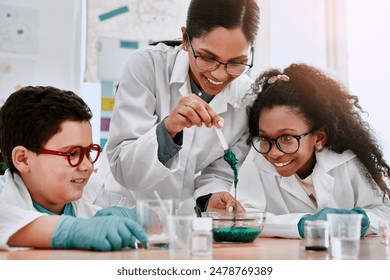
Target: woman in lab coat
<point>169,98</point>
<point>312,154</point>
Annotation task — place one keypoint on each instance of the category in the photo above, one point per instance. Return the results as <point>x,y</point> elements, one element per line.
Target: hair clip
<point>280,77</point>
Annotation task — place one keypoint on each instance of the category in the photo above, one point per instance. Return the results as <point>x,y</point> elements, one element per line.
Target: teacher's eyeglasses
<point>75,155</point>
<point>288,144</point>
<point>210,64</point>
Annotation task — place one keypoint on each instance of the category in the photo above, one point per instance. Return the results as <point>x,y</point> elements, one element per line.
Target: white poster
<point>19,29</point>
<point>132,20</point>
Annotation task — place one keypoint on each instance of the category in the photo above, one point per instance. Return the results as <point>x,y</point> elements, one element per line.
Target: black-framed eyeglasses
<point>75,155</point>
<point>288,144</point>
<point>210,64</point>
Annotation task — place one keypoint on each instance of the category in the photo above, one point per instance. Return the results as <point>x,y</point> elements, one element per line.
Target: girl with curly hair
<point>313,153</point>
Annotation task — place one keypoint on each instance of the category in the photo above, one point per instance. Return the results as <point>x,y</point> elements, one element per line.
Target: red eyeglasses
<point>75,155</point>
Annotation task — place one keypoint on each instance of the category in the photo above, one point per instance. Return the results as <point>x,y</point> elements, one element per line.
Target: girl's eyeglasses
<point>75,155</point>
<point>288,144</point>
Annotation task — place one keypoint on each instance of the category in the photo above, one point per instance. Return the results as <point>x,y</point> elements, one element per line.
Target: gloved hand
<point>118,211</point>
<point>97,233</point>
<point>365,220</point>
<point>320,215</point>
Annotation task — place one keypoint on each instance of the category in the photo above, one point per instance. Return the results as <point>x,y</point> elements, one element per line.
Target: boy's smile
<point>51,180</point>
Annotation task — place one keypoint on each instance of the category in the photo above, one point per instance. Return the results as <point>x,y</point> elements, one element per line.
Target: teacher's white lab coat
<point>17,210</point>
<point>154,81</point>
<point>339,182</point>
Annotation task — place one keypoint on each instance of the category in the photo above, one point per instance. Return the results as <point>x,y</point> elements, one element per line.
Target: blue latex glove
<point>320,215</point>
<point>107,233</point>
<point>118,211</point>
<point>365,220</point>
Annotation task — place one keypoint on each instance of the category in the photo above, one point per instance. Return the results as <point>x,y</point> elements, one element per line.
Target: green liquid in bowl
<point>235,234</point>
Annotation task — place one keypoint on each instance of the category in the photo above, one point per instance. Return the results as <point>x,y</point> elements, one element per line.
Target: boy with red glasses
<point>46,142</point>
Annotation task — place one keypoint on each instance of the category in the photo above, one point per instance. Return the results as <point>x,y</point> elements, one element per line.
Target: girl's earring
<point>319,148</point>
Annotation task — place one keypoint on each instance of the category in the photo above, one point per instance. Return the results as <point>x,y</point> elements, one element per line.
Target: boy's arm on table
<point>36,234</point>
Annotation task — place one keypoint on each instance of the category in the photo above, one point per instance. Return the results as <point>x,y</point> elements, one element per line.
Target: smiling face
<point>282,120</point>
<point>221,44</point>
<point>51,181</point>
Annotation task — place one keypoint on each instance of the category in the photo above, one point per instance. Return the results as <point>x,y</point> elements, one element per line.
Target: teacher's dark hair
<point>204,16</point>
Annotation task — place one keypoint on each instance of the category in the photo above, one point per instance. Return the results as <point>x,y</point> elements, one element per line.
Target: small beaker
<point>180,230</point>
<point>316,235</point>
<point>202,237</point>
<point>344,231</point>
<point>152,217</point>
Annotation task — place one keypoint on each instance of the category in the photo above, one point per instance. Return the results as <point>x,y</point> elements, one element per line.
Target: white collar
<point>15,191</point>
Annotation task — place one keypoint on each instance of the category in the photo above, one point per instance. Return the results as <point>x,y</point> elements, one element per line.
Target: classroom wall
<point>368,62</point>
<point>289,33</point>
<point>48,48</point>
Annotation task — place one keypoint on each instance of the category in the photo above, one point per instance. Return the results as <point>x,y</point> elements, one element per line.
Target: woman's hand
<point>190,111</point>
<point>223,201</point>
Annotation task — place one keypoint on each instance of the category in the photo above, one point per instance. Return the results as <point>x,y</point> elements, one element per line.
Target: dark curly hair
<point>32,115</point>
<point>324,103</point>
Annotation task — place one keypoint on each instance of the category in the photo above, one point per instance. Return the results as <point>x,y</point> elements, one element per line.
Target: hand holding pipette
<point>219,201</point>
<point>191,111</point>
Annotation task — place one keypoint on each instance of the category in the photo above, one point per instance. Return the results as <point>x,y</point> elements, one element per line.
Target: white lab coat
<point>16,207</point>
<point>154,80</point>
<point>339,182</point>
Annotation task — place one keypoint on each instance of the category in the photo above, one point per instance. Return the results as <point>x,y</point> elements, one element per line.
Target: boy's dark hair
<point>323,103</point>
<point>32,115</point>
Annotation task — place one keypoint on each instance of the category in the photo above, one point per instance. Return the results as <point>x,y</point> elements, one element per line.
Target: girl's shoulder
<point>328,159</point>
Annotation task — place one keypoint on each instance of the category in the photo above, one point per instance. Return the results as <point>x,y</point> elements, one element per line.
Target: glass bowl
<point>244,227</point>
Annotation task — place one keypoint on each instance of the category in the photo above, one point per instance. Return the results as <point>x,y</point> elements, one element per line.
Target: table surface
<point>262,249</point>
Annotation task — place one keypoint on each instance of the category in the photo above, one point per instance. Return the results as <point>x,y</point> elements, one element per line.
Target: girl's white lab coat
<point>16,207</point>
<point>154,81</point>
<point>339,182</point>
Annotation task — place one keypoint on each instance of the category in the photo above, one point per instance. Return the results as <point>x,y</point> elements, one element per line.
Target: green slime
<point>235,234</point>
<point>230,158</point>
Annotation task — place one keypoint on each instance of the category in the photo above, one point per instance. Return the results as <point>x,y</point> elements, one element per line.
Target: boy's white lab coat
<point>339,182</point>
<point>17,211</point>
<point>154,81</point>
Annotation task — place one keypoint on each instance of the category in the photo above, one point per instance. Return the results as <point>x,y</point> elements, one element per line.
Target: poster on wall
<point>130,20</point>
<point>18,29</point>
